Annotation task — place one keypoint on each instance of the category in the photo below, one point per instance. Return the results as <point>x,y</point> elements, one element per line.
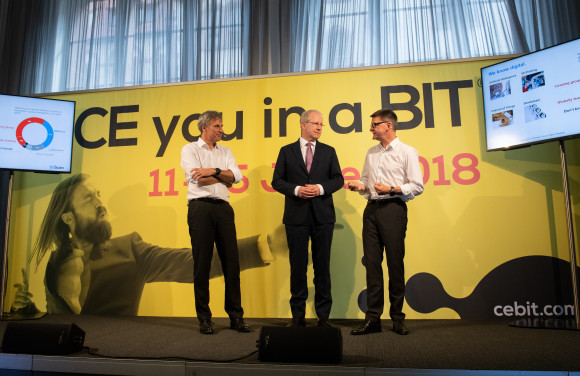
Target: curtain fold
<point>215,38</point>
<point>13,26</point>
<point>548,22</point>
<point>89,44</point>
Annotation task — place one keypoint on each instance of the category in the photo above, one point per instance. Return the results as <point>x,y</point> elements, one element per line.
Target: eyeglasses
<point>374,125</point>
<point>314,123</point>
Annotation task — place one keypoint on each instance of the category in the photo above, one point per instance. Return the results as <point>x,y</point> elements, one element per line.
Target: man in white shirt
<point>391,176</point>
<point>210,169</point>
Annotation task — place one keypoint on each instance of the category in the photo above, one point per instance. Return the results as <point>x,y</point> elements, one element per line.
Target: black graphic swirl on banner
<point>531,286</point>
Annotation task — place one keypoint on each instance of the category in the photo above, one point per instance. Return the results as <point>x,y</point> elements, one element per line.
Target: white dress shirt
<point>199,155</point>
<point>396,165</point>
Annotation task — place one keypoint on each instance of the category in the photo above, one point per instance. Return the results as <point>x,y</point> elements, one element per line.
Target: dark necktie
<point>309,156</point>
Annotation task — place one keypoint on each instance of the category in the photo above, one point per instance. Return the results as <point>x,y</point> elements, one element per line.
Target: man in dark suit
<point>307,172</point>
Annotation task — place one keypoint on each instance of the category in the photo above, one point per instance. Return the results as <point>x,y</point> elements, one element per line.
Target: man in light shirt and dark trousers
<point>210,169</point>
<point>391,177</point>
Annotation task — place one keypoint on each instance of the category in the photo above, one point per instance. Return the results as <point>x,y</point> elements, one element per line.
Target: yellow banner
<point>478,211</point>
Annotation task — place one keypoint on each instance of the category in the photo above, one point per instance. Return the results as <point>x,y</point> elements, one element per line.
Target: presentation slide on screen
<point>35,134</point>
<point>533,98</point>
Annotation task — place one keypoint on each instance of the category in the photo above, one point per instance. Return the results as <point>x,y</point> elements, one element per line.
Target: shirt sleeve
<point>189,160</point>
<point>159,264</point>
<point>233,167</point>
<point>365,177</point>
<point>414,186</point>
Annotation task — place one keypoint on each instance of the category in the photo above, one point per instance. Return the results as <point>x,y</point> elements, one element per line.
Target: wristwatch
<point>217,172</point>
<point>392,192</point>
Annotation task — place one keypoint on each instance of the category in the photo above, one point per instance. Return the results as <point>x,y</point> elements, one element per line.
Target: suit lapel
<point>316,157</point>
<point>298,155</point>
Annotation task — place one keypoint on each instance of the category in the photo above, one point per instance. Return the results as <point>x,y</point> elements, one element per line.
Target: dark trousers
<point>384,228</point>
<point>321,236</point>
<point>209,223</point>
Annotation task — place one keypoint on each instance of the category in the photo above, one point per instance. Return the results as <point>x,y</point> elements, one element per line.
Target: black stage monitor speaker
<point>300,345</point>
<point>42,339</point>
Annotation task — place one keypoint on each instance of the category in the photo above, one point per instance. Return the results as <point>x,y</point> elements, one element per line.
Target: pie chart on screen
<point>29,133</point>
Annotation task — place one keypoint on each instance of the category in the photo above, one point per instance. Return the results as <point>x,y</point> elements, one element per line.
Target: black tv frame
<point>485,91</point>
<point>43,171</point>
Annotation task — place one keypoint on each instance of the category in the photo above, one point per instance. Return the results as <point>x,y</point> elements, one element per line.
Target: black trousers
<point>213,222</point>
<point>298,237</point>
<point>384,228</point>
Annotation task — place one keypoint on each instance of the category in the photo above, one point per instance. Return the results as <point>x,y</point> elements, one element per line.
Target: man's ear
<point>67,218</point>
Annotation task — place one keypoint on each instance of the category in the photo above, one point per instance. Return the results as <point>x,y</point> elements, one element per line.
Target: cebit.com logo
<point>532,309</point>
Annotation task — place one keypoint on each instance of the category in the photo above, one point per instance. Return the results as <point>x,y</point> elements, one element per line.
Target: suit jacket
<point>290,172</point>
<point>120,270</point>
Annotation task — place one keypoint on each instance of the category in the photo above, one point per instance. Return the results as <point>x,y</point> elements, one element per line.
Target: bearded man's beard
<point>97,232</point>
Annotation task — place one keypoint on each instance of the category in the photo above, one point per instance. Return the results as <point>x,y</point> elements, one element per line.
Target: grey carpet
<point>432,344</point>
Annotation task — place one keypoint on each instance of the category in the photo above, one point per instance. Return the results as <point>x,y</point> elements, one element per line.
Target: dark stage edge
<point>170,346</point>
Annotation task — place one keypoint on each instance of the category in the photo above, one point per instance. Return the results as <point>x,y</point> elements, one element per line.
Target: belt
<point>383,201</point>
<point>210,200</point>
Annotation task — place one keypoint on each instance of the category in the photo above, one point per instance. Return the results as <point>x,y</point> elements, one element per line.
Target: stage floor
<point>173,346</point>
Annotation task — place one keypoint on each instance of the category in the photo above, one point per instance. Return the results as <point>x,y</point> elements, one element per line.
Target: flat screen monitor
<point>533,98</point>
<point>36,134</point>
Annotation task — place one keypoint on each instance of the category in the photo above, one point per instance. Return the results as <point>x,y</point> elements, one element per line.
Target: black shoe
<point>399,327</point>
<point>297,323</point>
<point>239,325</point>
<point>205,327</point>
<point>325,323</point>
<point>367,327</point>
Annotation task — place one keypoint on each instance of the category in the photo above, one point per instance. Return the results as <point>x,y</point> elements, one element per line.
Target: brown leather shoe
<point>239,325</point>
<point>399,327</point>
<point>367,327</point>
<point>205,327</point>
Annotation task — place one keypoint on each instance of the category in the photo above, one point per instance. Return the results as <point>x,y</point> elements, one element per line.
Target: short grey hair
<point>305,117</point>
<point>206,118</point>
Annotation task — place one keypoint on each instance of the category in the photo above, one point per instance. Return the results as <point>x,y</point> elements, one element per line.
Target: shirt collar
<point>303,142</point>
<point>392,145</point>
<point>202,144</point>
